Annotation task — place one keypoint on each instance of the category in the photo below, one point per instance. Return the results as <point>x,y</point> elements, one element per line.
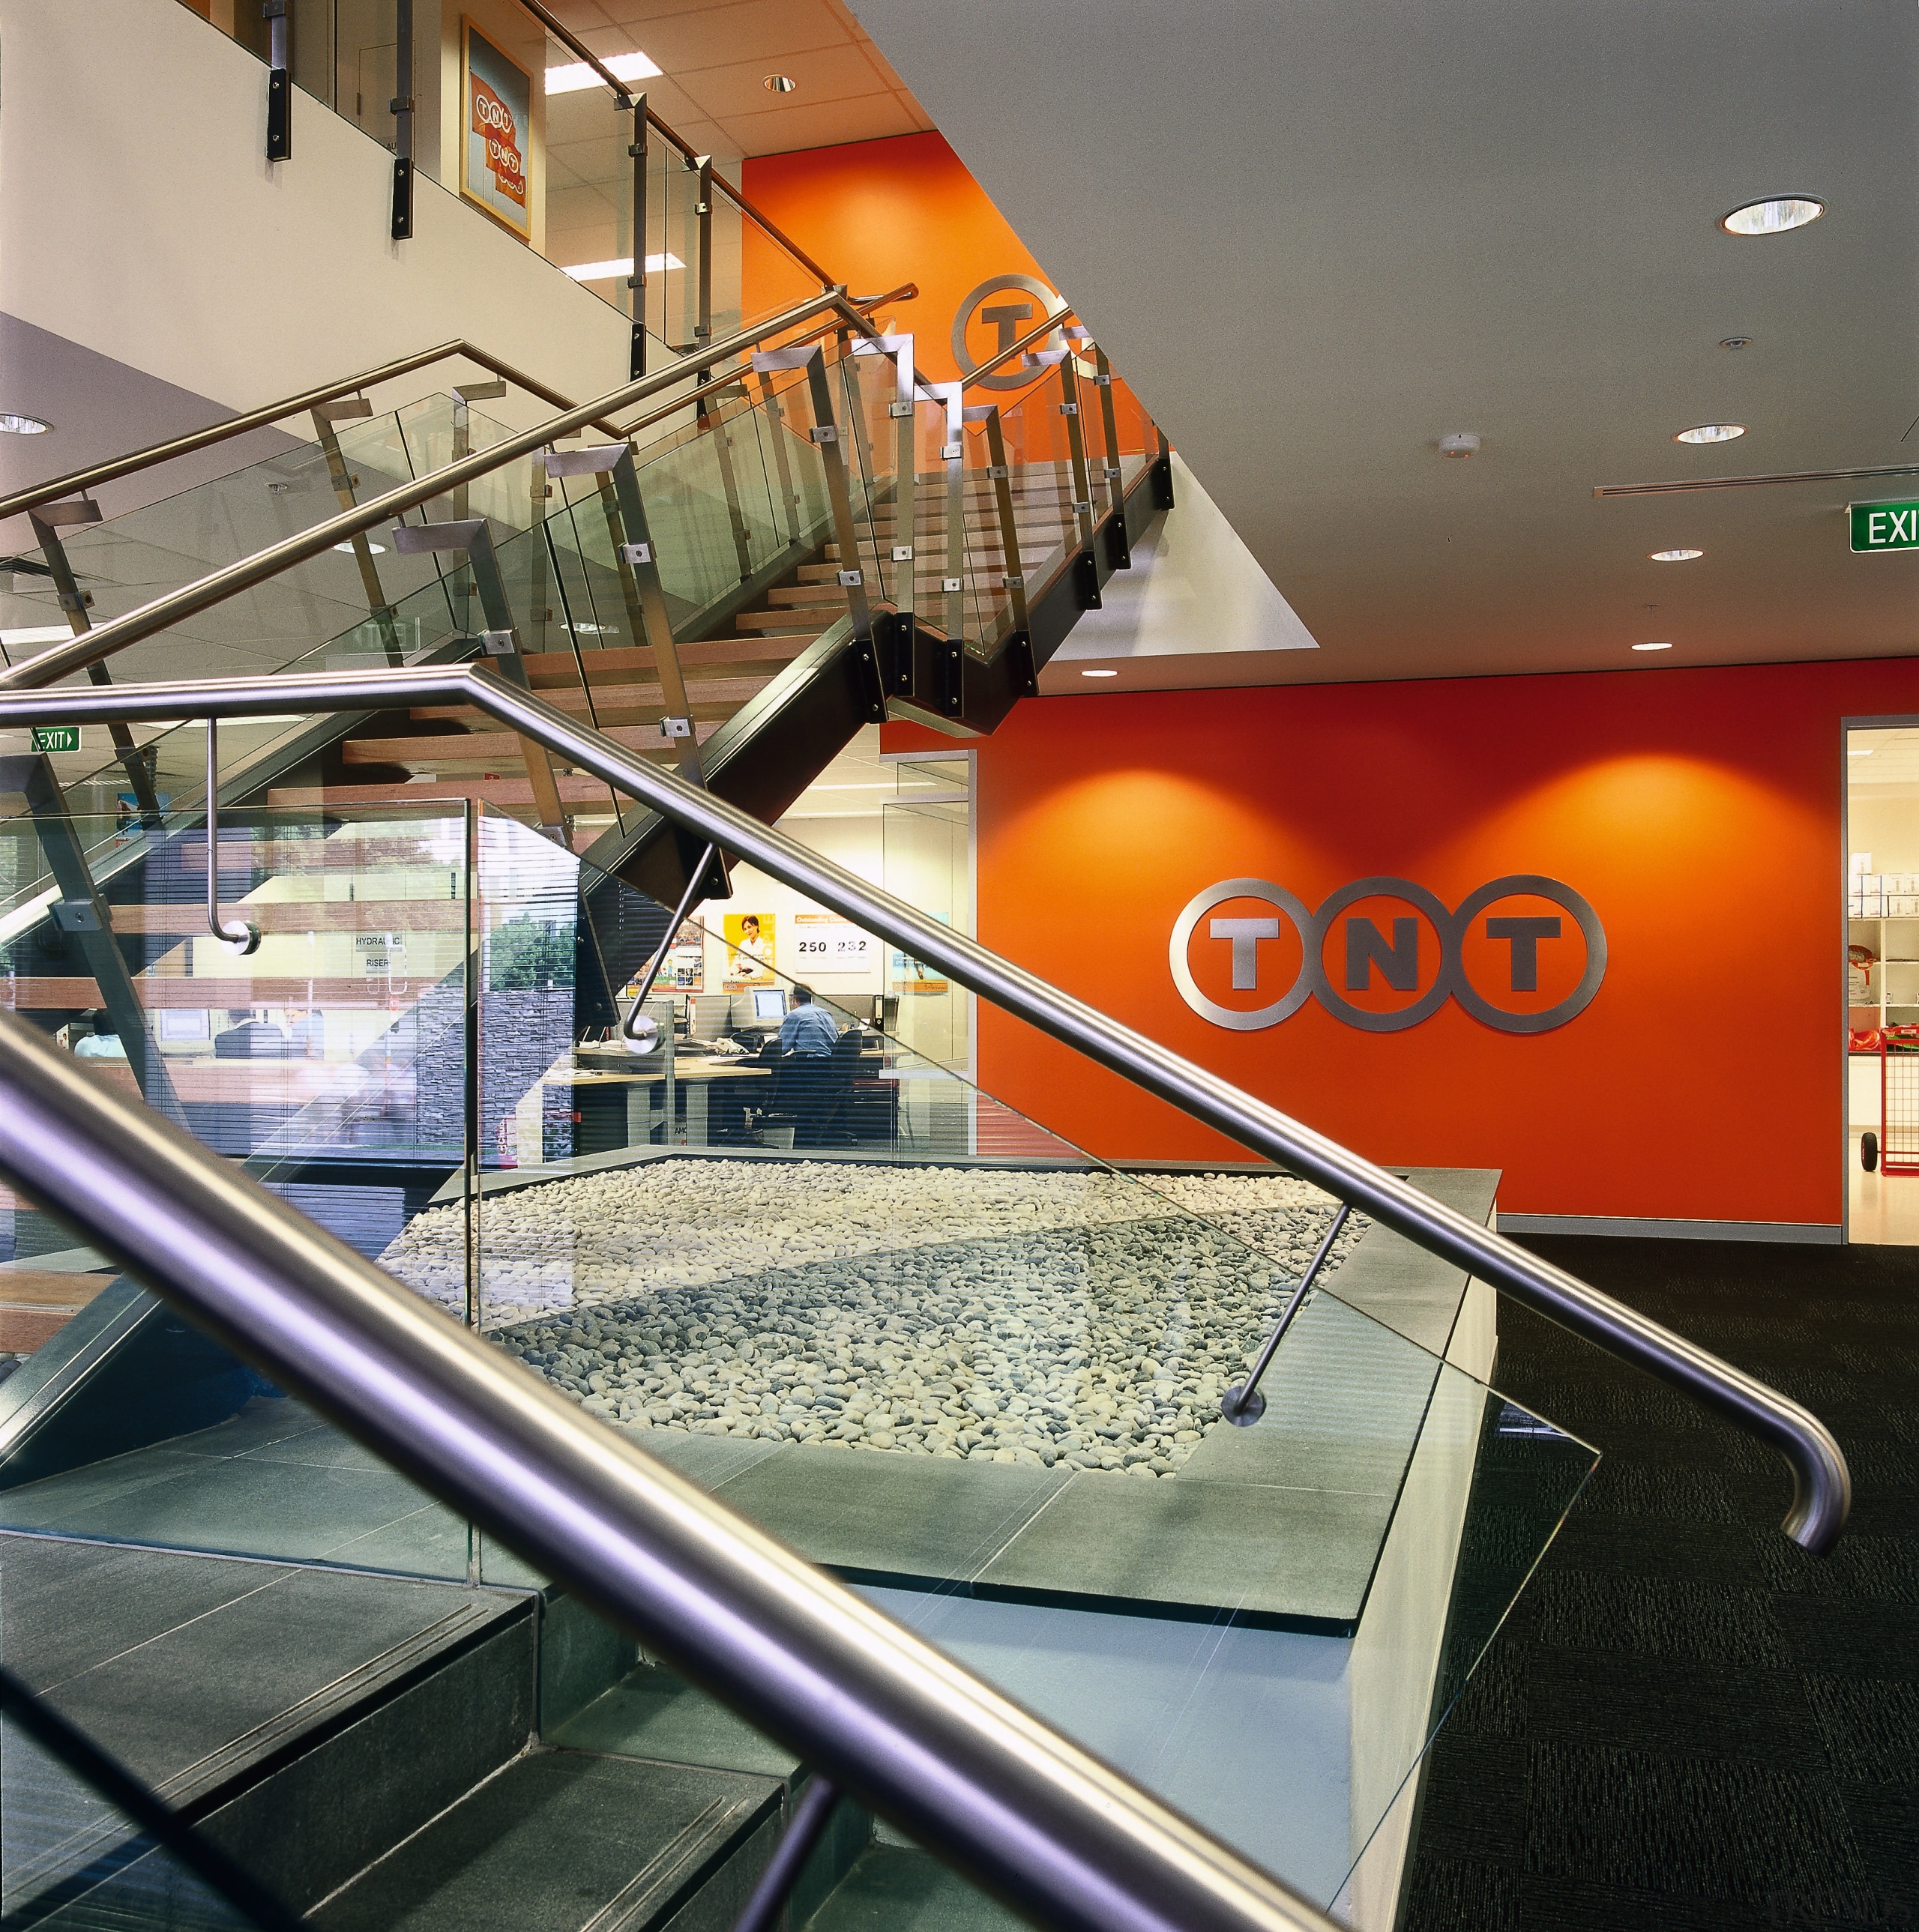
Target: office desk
<point>613,1104</point>
<point>618,1099</point>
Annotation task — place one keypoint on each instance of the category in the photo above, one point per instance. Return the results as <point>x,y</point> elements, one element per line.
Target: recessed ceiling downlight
<point>1711,432</point>
<point>780,83</point>
<point>1651,647</point>
<point>20,425</point>
<point>1099,673</point>
<point>1674,556</point>
<point>1777,216</point>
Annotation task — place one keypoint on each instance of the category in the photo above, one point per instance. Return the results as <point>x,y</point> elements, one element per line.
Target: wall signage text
<point>1483,956</point>
<point>1884,526</point>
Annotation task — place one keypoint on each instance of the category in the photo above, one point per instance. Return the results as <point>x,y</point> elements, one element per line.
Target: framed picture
<point>496,96</point>
<point>748,950</point>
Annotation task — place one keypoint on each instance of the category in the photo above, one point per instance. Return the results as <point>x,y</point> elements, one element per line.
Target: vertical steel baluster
<point>401,108</point>
<point>279,79</point>
<point>47,522</point>
<point>324,415</point>
<point>636,359</point>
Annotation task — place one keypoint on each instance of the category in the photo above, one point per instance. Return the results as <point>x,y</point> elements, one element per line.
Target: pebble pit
<point>1081,1319</point>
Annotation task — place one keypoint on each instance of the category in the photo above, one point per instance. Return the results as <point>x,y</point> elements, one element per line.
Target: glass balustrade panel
<point>329,1063</point>
<point>979,1373</point>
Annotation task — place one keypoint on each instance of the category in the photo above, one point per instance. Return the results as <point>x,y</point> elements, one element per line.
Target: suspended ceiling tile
<point>832,74</point>
<point>717,36</point>
<point>868,117</point>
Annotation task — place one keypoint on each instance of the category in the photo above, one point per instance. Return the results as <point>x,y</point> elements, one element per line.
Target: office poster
<point>748,950</point>
<point>497,131</point>
<point>685,968</point>
<point>912,977</point>
<point>825,943</point>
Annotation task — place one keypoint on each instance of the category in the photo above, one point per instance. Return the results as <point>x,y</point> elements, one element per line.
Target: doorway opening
<point>1881,822</point>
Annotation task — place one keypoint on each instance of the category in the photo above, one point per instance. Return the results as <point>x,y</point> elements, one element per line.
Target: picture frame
<point>496,131</point>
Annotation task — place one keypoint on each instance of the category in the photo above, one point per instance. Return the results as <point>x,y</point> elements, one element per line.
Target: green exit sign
<point>1884,526</point>
<point>56,737</point>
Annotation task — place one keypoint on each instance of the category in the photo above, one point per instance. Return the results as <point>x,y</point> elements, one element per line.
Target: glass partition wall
<point>983,1387</point>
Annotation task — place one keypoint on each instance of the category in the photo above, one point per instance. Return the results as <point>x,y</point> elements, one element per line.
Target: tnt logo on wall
<point>1524,954</point>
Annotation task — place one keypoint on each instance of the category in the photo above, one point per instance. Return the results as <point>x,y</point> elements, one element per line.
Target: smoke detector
<point>1460,443</point>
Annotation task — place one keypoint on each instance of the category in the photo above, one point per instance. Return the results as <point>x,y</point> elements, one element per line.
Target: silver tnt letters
<point>1246,934</point>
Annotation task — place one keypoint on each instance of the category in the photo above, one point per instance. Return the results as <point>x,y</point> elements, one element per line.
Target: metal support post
<point>642,1034</point>
<point>766,1907</point>
<point>953,454</point>
<point>825,434</point>
<point>402,110</point>
<point>1162,473</point>
<point>279,79</point>
<point>499,640</point>
<point>240,938</point>
<point>646,594</point>
<point>719,428</point>
<point>703,208</point>
<point>856,415</point>
<point>472,1038</point>
<point>777,435</point>
<point>636,356</point>
<point>1001,477</point>
<point>1242,1405</point>
<point>47,521</point>
<point>1086,565</point>
<point>1118,544</point>
<point>324,415</point>
<point>894,634</point>
<point>82,912</point>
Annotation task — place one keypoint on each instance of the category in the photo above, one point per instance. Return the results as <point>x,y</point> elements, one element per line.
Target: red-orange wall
<point>1699,811</point>
<point>880,214</point>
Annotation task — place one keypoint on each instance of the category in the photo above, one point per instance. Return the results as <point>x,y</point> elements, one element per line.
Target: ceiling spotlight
<point>1711,432</point>
<point>1675,555</point>
<point>1651,647</point>
<point>1773,217</point>
<point>18,425</point>
<point>1461,442</point>
<point>346,549</point>
<point>780,83</point>
<point>1099,673</point>
<point>1735,342</point>
<point>1859,751</point>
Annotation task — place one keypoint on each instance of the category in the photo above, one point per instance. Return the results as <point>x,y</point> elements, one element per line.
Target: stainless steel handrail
<point>1822,1484</point>
<point>1024,1812</point>
<point>93,647</point>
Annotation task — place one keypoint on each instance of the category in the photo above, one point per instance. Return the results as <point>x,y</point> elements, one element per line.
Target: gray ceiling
<point>1317,237</point>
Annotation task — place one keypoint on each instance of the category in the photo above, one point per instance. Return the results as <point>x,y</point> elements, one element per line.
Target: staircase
<point>387,1751</point>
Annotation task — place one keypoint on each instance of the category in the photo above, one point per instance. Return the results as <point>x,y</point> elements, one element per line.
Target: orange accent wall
<point>1699,811</point>
<point>882,213</point>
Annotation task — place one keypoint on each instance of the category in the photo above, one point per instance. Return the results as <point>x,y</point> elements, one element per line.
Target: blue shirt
<point>807,1029</point>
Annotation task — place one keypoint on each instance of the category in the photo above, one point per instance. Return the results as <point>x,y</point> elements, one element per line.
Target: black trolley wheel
<point>1869,1151</point>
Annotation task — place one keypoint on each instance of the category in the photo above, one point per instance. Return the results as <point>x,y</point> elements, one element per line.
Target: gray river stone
<point>1082,1319</point>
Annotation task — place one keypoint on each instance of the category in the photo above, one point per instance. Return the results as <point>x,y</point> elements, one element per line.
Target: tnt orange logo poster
<point>497,133</point>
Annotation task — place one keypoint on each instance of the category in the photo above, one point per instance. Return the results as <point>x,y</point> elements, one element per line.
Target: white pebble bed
<point>1024,1317</point>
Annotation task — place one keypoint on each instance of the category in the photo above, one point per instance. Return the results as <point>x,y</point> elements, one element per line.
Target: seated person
<point>249,1038</point>
<point>808,1030</point>
<point>103,1042</point>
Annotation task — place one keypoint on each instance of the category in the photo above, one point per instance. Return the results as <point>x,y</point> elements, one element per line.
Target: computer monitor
<point>769,1003</point>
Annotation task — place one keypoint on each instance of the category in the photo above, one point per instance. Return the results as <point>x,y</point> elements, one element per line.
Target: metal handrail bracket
<point>1821,1483</point>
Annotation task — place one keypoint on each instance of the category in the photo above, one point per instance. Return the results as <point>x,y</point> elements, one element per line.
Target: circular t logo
<point>1011,317</point>
<point>1523,954</point>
